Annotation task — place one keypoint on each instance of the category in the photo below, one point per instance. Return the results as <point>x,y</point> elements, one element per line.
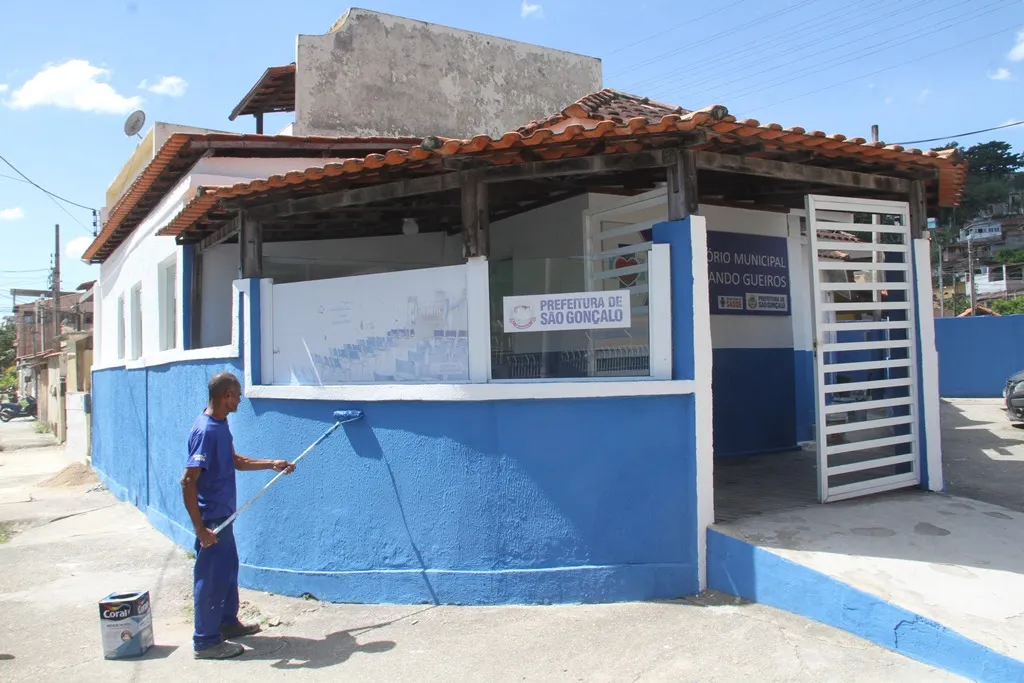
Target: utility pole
<point>56,283</point>
<point>942,286</point>
<point>970,268</point>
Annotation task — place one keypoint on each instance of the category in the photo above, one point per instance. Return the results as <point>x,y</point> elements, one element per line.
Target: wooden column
<point>259,123</point>
<point>250,242</point>
<point>918,209</point>
<point>682,184</point>
<point>475,216</point>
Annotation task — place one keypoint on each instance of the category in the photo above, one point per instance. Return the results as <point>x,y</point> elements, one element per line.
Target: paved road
<point>982,452</point>
<point>70,546</point>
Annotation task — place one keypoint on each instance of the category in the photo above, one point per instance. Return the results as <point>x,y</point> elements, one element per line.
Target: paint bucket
<point>126,624</point>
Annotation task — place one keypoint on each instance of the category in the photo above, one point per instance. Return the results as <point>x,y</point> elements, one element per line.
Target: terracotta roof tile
<point>174,147</point>
<point>622,121</point>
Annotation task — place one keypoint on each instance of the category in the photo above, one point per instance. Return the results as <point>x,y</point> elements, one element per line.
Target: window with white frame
<point>168,292</point>
<point>136,322</point>
<point>121,328</point>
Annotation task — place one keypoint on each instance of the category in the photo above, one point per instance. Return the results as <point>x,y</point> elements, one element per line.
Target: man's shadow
<point>296,652</point>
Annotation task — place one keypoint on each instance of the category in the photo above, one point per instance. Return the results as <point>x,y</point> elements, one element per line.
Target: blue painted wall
<point>804,394</point>
<point>754,401</point>
<point>676,234</point>
<point>977,354</point>
<point>472,503</point>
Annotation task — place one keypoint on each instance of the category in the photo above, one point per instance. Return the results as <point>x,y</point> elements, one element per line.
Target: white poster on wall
<point>575,311</point>
<point>408,326</point>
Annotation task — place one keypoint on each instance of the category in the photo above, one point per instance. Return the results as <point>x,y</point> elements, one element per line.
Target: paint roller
<point>340,418</point>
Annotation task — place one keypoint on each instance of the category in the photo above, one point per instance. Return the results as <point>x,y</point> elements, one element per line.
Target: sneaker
<point>222,650</point>
<point>238,630</point>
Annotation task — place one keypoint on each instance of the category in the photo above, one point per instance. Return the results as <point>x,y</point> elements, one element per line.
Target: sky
<point>71,71</point>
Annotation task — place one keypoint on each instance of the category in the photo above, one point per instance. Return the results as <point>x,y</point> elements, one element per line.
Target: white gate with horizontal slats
<point>867,436</point>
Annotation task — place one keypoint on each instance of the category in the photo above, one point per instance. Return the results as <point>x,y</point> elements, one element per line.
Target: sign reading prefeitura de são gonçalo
<point>575,311</point>
<point>748,274</point>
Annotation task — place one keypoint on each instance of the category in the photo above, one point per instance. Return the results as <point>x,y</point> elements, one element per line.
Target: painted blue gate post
<point>677,235</point>
<point>692,360</point>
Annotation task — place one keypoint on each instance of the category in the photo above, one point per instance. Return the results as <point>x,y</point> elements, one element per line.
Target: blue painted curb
<point>755,574</point>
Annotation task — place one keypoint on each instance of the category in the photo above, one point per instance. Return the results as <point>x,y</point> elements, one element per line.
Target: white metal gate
<point>617,245</point>
<point>865,348</point>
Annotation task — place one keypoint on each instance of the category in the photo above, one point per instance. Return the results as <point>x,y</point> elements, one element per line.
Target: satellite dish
<point>134,123</point>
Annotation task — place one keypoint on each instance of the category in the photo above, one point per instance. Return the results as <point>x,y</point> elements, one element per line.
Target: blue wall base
<point>559,585</point>
<point>752,573</point>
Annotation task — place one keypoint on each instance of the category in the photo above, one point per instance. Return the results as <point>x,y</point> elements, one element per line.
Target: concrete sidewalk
<point>68,546</point>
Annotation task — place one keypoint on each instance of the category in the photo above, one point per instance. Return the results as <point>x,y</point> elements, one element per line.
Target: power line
<point>961,135</point>
<point>867,51</point>
<point>691,46</point>
<point>806,29</point>
<point>35,270</point>
<point>41,188</point>
<point>673,28</point>
<point>818,56</point>
<point>894,66</point>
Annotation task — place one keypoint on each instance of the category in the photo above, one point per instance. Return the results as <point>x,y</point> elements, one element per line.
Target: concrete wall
<point>978,354</point>
<point>377,74</point>
<point>77,424</point>
<point>451,502</point>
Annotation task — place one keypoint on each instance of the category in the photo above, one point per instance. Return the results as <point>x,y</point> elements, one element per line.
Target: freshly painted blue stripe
<point>676,234</point>
<point>754,401</point>
<point>978,354</point>
<point>753,573</point>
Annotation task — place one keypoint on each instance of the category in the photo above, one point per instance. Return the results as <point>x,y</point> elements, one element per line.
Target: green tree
<point>993,169</point>
<point>7,350</point>
<point>1013,306</point>
<point>8,377</point>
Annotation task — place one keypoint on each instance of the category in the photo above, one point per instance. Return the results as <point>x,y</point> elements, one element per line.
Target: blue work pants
<point>215,589</point>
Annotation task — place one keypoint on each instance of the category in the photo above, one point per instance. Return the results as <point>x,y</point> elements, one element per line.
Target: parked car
<point>1013,394</point>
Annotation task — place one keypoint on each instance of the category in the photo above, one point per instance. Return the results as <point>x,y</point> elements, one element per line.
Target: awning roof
<point>273,92</point>
<point>606,122</point>
<point>182,150</point>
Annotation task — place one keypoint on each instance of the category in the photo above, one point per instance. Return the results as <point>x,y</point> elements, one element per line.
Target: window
<point>168,305</point>
<point>121,328</point>
<point>136,321</point>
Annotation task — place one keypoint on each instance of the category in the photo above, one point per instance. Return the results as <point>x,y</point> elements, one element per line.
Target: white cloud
<point>889,99</point>
<point>172,86</point>
<point>923,96</point>
<point>76,247</point>
<point>1000,75</point>
<point>1016,53</point>
<point>4,87</point>
<point>75,84</point>
<point>15,214</point>
<point>528,9</point>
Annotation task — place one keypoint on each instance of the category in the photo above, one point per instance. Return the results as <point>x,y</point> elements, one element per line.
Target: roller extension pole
<point>340,416</point>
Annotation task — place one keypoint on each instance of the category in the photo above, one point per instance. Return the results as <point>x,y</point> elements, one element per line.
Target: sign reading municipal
<point>748,274</point>
<point>554,312</point>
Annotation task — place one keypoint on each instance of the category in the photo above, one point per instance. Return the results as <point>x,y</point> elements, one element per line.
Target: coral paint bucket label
<point>126,624</point>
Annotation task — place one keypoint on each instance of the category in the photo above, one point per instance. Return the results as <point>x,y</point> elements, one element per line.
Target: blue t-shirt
<point>211,448</point>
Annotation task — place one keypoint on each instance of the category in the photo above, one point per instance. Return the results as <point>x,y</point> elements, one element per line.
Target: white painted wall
<point>136,259</point>
<point>77,425</point>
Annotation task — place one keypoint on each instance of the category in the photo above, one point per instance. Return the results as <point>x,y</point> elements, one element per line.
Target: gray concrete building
<point>375,74</point>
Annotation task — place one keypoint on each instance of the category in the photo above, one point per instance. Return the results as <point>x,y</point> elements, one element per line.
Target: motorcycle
<point>10,411</point>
